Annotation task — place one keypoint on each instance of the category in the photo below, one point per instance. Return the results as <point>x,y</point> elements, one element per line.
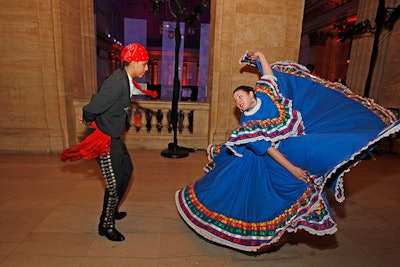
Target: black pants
<point>117,170</point>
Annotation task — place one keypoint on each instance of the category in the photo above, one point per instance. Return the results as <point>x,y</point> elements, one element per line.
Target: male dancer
<point>107,115</point>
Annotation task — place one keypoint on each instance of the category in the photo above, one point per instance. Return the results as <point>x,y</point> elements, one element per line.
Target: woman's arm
<point>281,159</point>
<point>264,63</point>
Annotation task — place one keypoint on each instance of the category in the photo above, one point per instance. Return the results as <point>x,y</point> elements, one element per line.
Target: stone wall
<point>273,27</point>
<point>47,60</point>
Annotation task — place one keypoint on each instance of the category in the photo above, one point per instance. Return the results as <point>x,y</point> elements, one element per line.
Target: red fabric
<point>93,146</point>
<point>153,94</point>
<point>134,52</point>
<point>138,119</point>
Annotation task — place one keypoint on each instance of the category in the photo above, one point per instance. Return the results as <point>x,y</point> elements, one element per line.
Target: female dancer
<point>298,134</point>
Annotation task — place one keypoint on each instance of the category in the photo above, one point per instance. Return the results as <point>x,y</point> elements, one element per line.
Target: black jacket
<point>108,107</point>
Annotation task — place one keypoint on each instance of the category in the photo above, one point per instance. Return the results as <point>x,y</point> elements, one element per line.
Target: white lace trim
<point>255,109</point>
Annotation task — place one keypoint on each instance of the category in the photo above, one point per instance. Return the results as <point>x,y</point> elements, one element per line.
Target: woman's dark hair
<point>247,89</point>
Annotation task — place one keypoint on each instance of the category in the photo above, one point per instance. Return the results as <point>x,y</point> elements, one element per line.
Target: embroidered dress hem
<point>309,213</point>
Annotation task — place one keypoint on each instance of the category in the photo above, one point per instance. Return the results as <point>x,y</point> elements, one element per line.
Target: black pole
<point>379,20</point>
<point>177,83</point>
<point>173,150</point>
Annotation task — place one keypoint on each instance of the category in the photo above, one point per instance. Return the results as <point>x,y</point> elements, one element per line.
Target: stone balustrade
<point>149,131</point>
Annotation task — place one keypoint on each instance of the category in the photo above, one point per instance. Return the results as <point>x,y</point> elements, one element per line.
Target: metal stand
<point>173,150</point>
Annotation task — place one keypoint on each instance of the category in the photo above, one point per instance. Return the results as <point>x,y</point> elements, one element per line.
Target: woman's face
<point>244,100</point>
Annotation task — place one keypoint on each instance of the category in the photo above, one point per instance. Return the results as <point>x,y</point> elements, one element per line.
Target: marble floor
<point>49,213</point>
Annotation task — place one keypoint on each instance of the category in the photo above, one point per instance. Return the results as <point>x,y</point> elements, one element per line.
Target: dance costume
<point>107,115</point>
<point>247,200</point>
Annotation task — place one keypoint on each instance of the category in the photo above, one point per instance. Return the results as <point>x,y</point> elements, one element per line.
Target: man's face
<point>138,68</point>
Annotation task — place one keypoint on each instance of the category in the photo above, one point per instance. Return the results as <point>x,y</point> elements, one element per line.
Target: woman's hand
<point>257,55</point>
<point>264,62</point>
<point>299,173</point>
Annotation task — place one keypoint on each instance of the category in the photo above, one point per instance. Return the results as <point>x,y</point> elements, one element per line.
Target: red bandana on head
<point>134,52</point>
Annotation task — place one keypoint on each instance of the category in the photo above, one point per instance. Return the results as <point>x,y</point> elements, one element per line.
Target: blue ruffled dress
<point>246,200</point>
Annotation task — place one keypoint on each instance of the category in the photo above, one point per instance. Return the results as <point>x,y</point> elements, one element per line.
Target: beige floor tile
<point>385,259</point>
<point>109,261</point>
<point>72,217</point>
<point>347,260</point>
<point>143,217</point>
<point>56,244</point>
<point>21,220</point>
<point>27,260</point>
<point>375,240</point>
<point>188,243</point>
<point>50,211</point>
<point>136,245</point>
<point>174,224</point>
<point>195,261</point>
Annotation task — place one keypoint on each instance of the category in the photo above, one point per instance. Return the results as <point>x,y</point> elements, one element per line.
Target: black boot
<point>111,233</point>
<point>119,215</point>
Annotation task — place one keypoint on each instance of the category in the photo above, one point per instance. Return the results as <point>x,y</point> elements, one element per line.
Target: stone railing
<point>150,131</point>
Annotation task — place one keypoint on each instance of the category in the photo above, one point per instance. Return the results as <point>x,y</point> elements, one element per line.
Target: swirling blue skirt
<point>249,202</point>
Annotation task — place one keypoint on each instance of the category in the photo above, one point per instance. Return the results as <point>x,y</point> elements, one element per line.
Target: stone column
<point>386,74</point>
<point>361,49</point>
<point>47,59</point>
<point>385,85</point>
<point>273,27</point>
